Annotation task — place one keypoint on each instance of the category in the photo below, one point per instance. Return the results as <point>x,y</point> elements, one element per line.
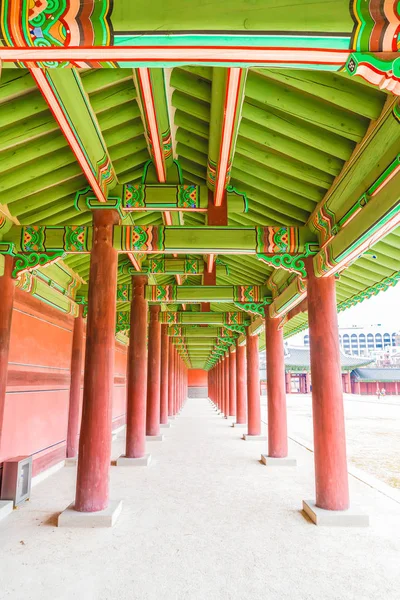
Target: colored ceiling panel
<point>297,130</point>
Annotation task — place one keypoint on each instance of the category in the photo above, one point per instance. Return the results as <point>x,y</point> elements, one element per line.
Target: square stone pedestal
<point>71,462</point>
<point>240,425</point>
<point>154,438</point>
<point>124,461</point>
<point>102,518</point>
<point>270,461</point>
<point>335,518</point>
<point>6,508</point>
<point>165,425</point>
<point>254,438</point>
<point>171,417</point>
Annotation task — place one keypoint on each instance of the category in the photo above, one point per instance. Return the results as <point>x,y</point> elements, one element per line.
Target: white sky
<point>382,309</point>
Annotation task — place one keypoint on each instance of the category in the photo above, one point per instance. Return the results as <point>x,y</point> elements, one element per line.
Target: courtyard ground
<point>372,432</point>
<point>204,521</point>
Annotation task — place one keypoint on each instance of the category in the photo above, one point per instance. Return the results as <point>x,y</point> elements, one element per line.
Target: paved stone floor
<point>206,521</point>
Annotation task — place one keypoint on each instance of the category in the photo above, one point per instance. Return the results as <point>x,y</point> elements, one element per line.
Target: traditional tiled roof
<point>377,374</point>
<point>298,359</point>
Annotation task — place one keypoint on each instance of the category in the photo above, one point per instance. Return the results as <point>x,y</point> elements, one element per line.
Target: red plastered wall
<point>197,378</point>
<point>36,407</point>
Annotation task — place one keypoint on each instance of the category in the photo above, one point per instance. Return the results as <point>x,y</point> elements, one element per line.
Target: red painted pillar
<point>137,371</point>
<point>176,391</point>
<point>396,390</point>
<point>288,383</point>
<point>95,437</point>
<point>241,386</point>
<point>331,477</point>
<point>164,375</point>
<point>219,385</point>
<point>232,381</point>
<point>227,386</point>
<point>253,385</point>
<point>308,382</point>
<point>154,373</point>
<point>357,387</point>
<point>347,379</point>
<point>75,386</point>
<point>7,290</point>
<point>277,422</point>
<point>171,366</point>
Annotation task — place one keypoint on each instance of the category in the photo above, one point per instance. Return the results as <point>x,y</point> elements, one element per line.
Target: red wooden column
<point>75,386</point>
<point>253,385</point>
<point>154,373</point>
<point>95,436</point>
<point>357,387</point>
<point>308,383</point>
<point>176,390</point>
<point>218,385</point>
<point>277,422</point>
<point>288,383</point>
<point>164,375</point>
<point>232,381</point>
<point>241,384</point>
<point>137,371</point>
<point>7,290</point>
<point>227,386</point>
<point>171,366</point>
<point>331,479</point>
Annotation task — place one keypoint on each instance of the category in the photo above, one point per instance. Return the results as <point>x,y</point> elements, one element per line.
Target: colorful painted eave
<point>289,114</point>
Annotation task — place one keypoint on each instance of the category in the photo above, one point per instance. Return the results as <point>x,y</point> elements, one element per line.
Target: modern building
<point>364,341</point>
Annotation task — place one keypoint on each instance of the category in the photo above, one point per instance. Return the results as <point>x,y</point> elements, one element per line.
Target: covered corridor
<point>204,520</point>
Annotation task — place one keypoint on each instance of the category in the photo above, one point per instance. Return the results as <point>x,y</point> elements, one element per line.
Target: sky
<point>382,309</point>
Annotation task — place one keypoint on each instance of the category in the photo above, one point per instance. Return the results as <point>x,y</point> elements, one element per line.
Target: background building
<point>376,341</point>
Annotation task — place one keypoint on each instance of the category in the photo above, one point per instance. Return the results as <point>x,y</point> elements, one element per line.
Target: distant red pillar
<point>227,385</point>
<point>241,384</point>
<point>331,478</point>
<point>7,289</point>
<point>308,383</point>
<point>357,387</point>
<point>75,386</point>
<point>288,383</point>
<point>277,422</point>
<point>164,375</point>
<point>232,381</point>
<point>171,364</point>
<point>176,389</point>
<point>253,385</point>
<point>154,373</point>
<point>137,371</point>
<point>95,437</point>
<point>219,385</point>
<point>347,379</point>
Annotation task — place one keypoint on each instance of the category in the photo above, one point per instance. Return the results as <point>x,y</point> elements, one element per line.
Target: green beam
<point>67,99</point>
<point>203,293</point>
<point>154,239</point>
<point>204,318</point>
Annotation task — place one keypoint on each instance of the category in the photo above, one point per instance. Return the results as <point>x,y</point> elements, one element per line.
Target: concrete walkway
<point>205,521</point>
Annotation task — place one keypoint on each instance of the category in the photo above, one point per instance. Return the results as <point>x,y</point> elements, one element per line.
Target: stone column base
<point>165,425</point>
<point>171,417</point>
<point>102,518</point>
<point>6,508</point>
<point>239,424</point>
<point>254,438</point>
<point>154,438</point>
<point>124,461</point>
<point>271,461</point>
<point>71,462</point>
<point>334,518</point>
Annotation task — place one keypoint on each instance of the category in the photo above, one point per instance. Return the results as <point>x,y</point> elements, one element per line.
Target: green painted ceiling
<point>298,129</point>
